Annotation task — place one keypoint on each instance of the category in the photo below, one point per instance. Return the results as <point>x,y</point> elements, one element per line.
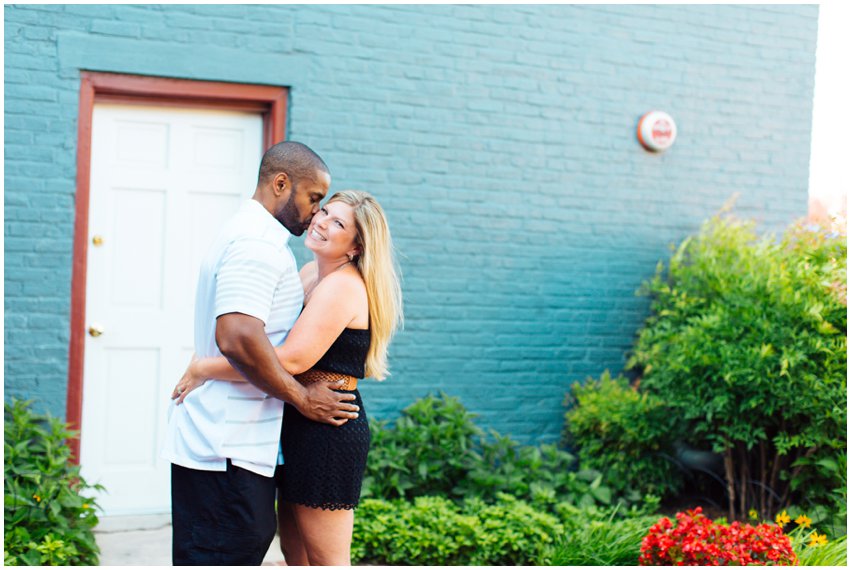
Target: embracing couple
<point>269,404</point>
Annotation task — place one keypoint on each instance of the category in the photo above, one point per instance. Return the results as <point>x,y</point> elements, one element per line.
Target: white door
<point>162,182</point>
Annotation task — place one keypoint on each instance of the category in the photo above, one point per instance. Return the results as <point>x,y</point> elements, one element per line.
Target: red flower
<point>696,540</point>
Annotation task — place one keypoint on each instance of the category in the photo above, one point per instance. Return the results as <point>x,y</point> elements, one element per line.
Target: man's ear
<point>281,183</point>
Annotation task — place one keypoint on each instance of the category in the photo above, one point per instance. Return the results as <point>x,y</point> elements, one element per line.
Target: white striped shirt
<point>249,269</point>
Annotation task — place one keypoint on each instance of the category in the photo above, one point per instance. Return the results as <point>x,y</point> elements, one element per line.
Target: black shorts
<point>221,517</point>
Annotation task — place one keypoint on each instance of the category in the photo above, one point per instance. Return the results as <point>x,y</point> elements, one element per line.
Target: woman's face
<point>332,232</point>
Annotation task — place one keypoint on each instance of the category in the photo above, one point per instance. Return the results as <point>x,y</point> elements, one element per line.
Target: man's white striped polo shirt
<point>249,269</point>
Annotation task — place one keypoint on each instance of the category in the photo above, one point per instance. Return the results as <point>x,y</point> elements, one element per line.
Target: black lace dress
<point>324,464</point>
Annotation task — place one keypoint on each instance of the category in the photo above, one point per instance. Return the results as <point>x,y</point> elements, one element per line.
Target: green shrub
<point>832,481</point>
<point>624,433</point>
<point>500,465</point>
<point>747,344</point>
<point>431,530</point>
<point>47,520</point>
<point>542,475</point>
<point>427,451</point>
<point>437,531</point>
<point>434,448</point>
<point>512,532</point>
<point>502,503</point>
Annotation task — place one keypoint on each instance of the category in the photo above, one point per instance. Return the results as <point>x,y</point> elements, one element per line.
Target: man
<point>223,440</point>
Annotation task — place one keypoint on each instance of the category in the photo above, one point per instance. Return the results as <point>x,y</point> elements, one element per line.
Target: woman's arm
<point>219,367</point>
<point>201,370</point>
<point>337,301</point>
<point>196,375</point>
<point>333,304</point>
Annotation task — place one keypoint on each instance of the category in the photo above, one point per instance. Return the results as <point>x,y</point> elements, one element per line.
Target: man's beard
<point>289,216</point>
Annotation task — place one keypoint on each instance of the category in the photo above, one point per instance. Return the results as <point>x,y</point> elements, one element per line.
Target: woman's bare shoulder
<point>344,292</point>
<point>343,282</point>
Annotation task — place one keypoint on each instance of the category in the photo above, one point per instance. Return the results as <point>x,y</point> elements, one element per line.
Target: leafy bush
<point>543,475</point>
<point>47,520</point>
<point>624,433</point>
<point>427,452</point>
<point>831,514</point>
<point>434,448</point>
<point>747,343</point>
<point>437,531</point>
<point>499,465</point>
<point>431,530</point>
<point>502,503</point>
<point>512,531</point>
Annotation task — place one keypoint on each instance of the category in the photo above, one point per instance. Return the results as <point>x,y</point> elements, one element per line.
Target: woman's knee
<point>292,546</point>
<point>316,558</point>
<point>327,535</point>
<point>294,552</point>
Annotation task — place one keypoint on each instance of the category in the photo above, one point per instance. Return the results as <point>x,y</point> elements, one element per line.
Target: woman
<point>352,306</point>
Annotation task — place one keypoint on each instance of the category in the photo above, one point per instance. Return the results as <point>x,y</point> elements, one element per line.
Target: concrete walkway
<point>146,541</point>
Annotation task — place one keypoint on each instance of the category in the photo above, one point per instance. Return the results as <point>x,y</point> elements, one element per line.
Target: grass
<point>601,543</point>
<point>834,553</point>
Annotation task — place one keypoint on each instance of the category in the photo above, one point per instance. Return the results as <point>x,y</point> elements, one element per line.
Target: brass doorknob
<point>97,241</point>
<point>95,330</point>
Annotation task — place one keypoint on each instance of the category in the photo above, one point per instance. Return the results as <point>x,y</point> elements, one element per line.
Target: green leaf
<point>602,494</point>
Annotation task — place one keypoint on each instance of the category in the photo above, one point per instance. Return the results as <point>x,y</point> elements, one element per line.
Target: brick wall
<point>500,140</point>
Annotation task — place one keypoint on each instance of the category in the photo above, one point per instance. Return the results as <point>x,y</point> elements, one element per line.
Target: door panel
<point>136,263</point>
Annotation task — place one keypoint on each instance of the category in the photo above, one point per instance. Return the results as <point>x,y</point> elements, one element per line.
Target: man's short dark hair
<point>294,158</point>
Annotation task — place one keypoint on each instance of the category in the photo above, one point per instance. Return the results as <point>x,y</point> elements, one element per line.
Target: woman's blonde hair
<point>377,266</point>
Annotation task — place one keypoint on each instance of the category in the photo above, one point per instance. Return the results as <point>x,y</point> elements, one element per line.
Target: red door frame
<point>96,87</point>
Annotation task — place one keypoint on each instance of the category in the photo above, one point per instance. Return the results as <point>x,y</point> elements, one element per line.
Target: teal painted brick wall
<point>500,140</point>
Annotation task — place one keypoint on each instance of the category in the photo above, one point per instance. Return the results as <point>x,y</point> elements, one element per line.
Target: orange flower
<point>803,521</point>
<point>818,539</point>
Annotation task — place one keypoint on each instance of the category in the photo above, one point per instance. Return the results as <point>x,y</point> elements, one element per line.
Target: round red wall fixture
<point>657,131</point>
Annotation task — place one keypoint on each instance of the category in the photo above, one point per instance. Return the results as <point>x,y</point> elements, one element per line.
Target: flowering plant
<point>698,541</point>
<point>49,515</point>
